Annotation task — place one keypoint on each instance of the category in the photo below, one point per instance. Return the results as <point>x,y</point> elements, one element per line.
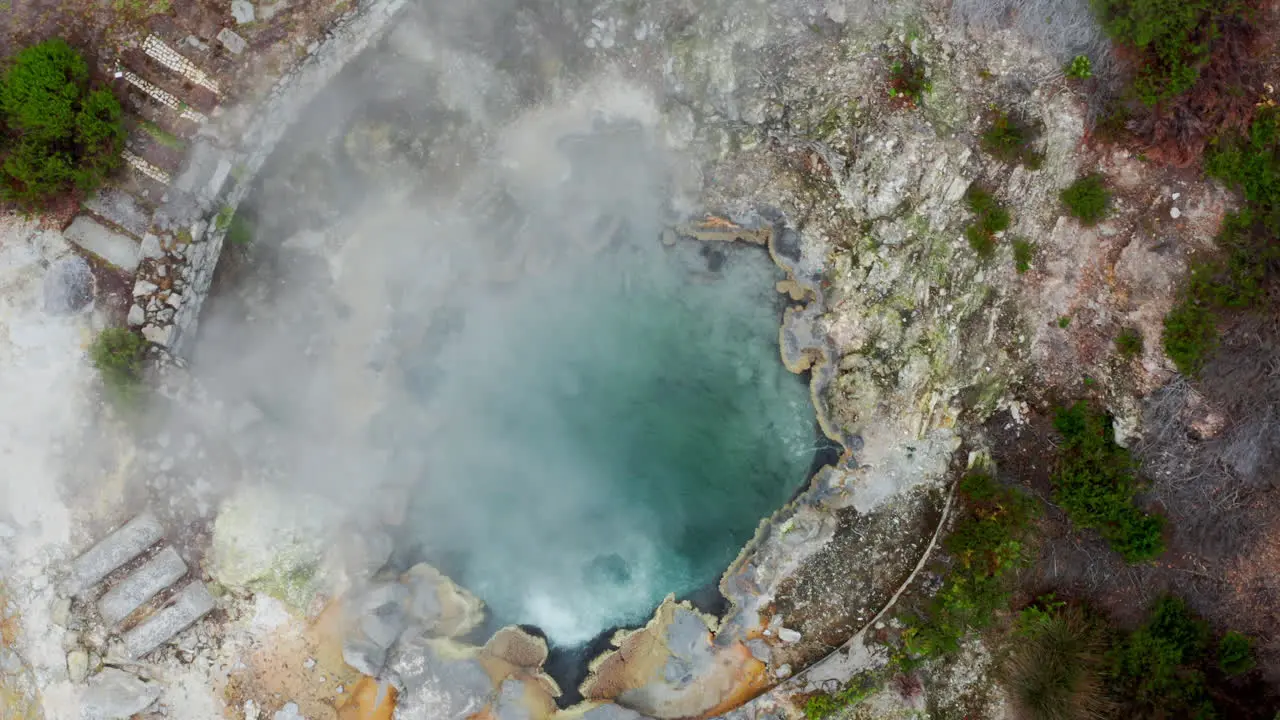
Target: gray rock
<point>219,179</point>
<point>189,605</point>
<point>142,288</point>
<point>242,11</point>
<point>77,665</point>
<point>156,574</point>
<point>382,613</point>
<point>363,655</point>
<point>175,299</point>
<point>116,549</point>
<point>115,695</point>
<point>787,635</point>
<point>160,335</point>
<point>150,246</point>
<point>60,613</point>
<point>609,711</point>
<point>289,712</point>
<point>434,685</point>
<point>137,316</point>
<point>68,286</point>
<point>118,249</point>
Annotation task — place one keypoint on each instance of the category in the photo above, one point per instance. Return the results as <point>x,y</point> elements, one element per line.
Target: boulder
<point>438,679</point>
<point>115,694</point>
<point>375,620</point>
<point>274,542</point>
<point>438,605</point>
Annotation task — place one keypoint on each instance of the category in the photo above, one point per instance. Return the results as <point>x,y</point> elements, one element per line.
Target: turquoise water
<point>614,443</point>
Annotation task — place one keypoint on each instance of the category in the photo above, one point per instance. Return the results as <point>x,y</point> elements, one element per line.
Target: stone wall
<point>181,251</point>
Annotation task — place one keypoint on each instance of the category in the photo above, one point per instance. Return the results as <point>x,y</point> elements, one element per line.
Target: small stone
<point>175,300</point>
<point>787,635</point>
<point>312,48</point>
<point>242,11</point>
<point>1175,213</point>
<point>783,671</point>
<point>143,288</point>
<point>231,41</point>
<point>162,271</point>
<point>289,712</point>
<point>61,612</point>
<point>77,665</point>
<point>151,246</point>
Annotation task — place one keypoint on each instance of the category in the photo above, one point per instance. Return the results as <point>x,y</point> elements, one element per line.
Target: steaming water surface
<point>613,440</point>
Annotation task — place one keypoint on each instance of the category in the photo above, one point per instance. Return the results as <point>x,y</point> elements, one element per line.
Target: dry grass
<point>1054,670</point>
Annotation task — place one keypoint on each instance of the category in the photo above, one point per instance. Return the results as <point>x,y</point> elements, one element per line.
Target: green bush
<point>1023,253</point>
<point>1190,335</point>
<point>1129,343</point>
<point>117,353</point>
<point>991,218</point>
<point>1235,653</point>
<point>987,543</point>
<point>824,705</point>
<point>62,135</point>
<point>1154,667</point>
<point>908,81</point>
<point>1095,484</point>
<point>1087,199</point>
<point>1173,39</point>
<point>1011,140</point>
<point>1055,667</point>
<point>1079,68</point>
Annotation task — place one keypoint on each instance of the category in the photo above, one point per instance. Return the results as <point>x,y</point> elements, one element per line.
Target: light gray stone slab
<point>161,571</point>
<point>189,605</point>
<point>219,179</point>
<point>116,248</point>
<point>232,41</point>
<point>242,11</point>
<point>114,694</point>
<point>120,208</point>
<point>116,549</point>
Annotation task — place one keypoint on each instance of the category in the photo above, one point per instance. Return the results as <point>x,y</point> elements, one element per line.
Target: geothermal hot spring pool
<point>586,418</point>
<point>616,441</point>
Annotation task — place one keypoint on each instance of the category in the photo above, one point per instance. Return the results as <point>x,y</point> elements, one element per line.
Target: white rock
<point>143,288</point>
<point>1175,213</point>
<point>77,665</point>
<point>137,316</point>
<point>242,11</point>
<point>61,612</point>
<point>787,635</point>
<point>115,694</point>
<point>175,300</point>
<point>151,246</point>
<point>289,712</point>
<point>158,335</point>
<point>231,41</point>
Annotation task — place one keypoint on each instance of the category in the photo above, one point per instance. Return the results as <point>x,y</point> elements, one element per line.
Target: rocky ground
<point>781,120</point>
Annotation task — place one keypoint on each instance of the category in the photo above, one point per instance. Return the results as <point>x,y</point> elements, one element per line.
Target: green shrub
<point>1023,253</point>
<point>240,230</point>
<point>62,135</point>
<point>1190,335</point>
<point>908,81</point>
<point>117,353</point>
<point>1087,199</point>
<point>1095,484</point>
<point>1079,68</point>
<point>987,542</point>
<point>1235,653</point>
<point>1055,667</point>
<point>1173,39</point>
<point>1064,322</point>
<point>991,218</point>
<point>824,705</point>
<point>1011,140</point>
<point>1154,667</point>
<point>1129,343</point>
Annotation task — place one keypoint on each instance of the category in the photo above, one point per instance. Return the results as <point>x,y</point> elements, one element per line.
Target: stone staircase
<point>167,97</point>
<point>138,568</point>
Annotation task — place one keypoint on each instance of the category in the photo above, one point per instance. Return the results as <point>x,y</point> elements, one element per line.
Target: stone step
<point>113,551</point>
<point>144,167</point>
<point>157,75</point>
<point>189,605</point>
<point>130,213</point>
<point>161,52</point>
<point>114,247</point>
<point>156,146</point>
<point>161,571</point>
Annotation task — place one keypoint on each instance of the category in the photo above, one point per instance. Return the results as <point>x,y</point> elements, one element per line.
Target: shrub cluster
<point>117,353</point>
<point>987,543</point>
<point>61,134</point>
<point>825,705</point>
<point>1250,253</point>
<point>908,81</point>
<point>1095,484</point>
<point>1154,668</point>
<point>1079,68</point>
<point>1023,253</point>
<point>990,218</point>
<point>1235,653</point>
<point>1197,71</point>
<point>1012,140</point>
<point>1129,343</point>
<point>1087,199</point>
